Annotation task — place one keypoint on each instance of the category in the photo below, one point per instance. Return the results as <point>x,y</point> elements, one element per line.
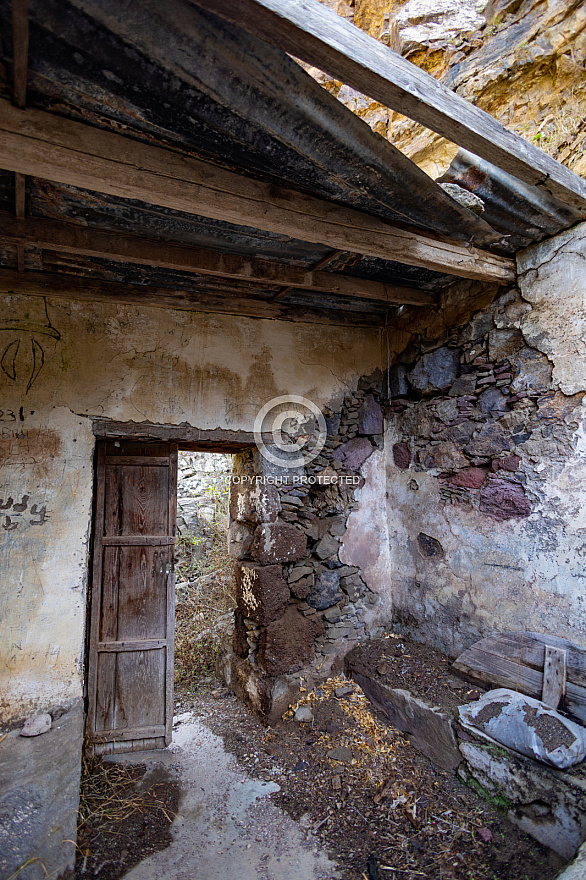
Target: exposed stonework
<point>308,586</point>
<point>493,467</point>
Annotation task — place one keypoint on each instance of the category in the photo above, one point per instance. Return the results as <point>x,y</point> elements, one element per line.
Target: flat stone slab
<point>39,798</point>
<point>431,730</point>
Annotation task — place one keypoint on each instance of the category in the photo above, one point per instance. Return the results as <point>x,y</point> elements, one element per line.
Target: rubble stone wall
<point>487,462</point>
<point>306,592</point>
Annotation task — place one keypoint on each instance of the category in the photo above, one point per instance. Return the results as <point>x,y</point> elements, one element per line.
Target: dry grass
<point>205,592</point>
<point>109,793</point>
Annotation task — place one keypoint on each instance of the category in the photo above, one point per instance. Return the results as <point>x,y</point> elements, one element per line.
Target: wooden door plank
<point>138,460</point>
<point>137,541</point>
<point>131,645</point>
<point>314,33</point>
<point>45,145</point>
<point>139,250</point>
<point>170,585</point>
<point>96,587</point>
<point>554,676</point>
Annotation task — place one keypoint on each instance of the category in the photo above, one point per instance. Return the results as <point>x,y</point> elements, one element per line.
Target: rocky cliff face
<point>523,61</point>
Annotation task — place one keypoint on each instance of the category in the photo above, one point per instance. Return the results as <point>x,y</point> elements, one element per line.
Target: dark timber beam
<point>19,51</point>
<point>69,239</point>
<point>84,289</point>
<point>309,30</point>
<point>44,145</point>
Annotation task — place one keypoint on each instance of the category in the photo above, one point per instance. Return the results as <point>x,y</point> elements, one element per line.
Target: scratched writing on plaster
<point>22,514</point>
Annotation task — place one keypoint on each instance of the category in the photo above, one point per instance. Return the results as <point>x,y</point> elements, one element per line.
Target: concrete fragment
<point>262,593</point>
<point>546,803</point>
<point>287,644</point>
<point>278,542</point>
<point>255,503</point>
<point>239,539</point>
<point>36,725</point>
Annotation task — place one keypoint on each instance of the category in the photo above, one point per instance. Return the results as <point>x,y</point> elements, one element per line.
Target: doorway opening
<point>204,570</point>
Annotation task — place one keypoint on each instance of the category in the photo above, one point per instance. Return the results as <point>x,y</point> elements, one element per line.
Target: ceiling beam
<point>127,248</point>
<point>19,51</point>
<point>44,145</point>
<point>84,289</point>
<point>314,33</point>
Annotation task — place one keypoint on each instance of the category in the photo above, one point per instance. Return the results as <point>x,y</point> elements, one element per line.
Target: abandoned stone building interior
<point>195,226</point>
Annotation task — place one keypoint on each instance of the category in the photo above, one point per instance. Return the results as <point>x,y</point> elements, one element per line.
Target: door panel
<point>130,680</point>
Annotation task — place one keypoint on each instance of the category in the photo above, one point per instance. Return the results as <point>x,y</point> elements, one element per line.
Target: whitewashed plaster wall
<point>523,572</point>
<point>64,363</point>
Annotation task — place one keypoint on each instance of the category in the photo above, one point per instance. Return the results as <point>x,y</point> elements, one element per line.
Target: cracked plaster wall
<point>63,364</point>
<point>487,504</point>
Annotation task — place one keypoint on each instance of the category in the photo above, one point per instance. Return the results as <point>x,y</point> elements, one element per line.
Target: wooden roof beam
<point>84,289</point>
<point>127,248</point>
<point>316,34</point>
<point>44,145</point>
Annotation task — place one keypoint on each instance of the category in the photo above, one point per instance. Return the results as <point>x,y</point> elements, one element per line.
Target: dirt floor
<point>357,785</point>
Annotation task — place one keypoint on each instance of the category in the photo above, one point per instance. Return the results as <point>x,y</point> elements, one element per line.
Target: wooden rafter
<point>69,239</point>
<point>86,289</point>
<point>314,33</point>
<point>20,51</point>
<point>44,145</point>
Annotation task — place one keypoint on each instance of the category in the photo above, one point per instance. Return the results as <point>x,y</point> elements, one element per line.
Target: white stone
<point>36,725</point>
<point>303,714</point>
<point>422,22</point>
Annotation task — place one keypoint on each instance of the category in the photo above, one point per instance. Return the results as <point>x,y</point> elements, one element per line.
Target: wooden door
<point>130,664</point>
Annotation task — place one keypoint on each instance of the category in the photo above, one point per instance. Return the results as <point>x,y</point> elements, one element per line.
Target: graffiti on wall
<point>26,340</point>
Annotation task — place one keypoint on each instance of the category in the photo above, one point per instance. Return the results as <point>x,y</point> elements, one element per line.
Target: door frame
<point>188,439</point>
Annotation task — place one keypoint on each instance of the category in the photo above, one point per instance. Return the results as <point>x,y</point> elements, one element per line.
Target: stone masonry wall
<point>487,463</point>
<point>300,607</point>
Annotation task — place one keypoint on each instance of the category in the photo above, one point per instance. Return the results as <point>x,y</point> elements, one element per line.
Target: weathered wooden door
<point>130,672</point>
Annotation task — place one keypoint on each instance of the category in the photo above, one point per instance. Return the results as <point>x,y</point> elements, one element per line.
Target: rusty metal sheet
<point>523,214</point>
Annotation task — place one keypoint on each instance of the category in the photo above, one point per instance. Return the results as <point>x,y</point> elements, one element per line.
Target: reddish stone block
<point>509,463</point>
<point>469,478</point>
<point>401,455</point>
<point>278,542</point>
<point>262,593</point>
<point>503,500</point>
<point>354,452</point>
<point>239,643</point>
<point>287,644</point>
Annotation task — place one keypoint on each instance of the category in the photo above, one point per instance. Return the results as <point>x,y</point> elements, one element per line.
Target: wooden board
<point>314,33</point>
<point>516,660</point>
<point>130,663</point>
<point>139,250</point>
<point>86,289</point>
<point>554,676</point>
<point>48,146</point>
